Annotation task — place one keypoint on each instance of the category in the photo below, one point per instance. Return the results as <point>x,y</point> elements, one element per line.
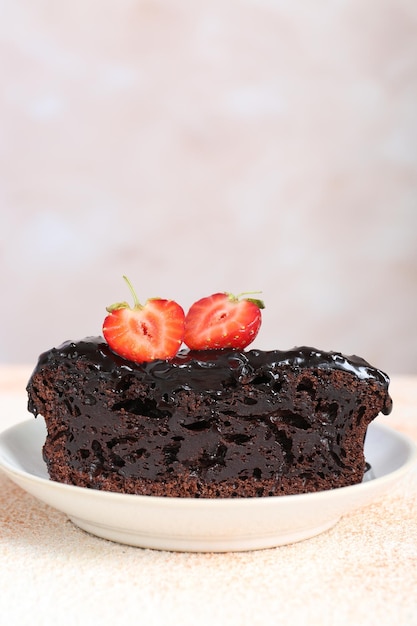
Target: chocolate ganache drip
<point>212,370</point>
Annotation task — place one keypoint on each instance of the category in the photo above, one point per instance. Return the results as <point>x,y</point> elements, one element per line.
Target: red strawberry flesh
<point>222,321</point>
<point>144,333</point>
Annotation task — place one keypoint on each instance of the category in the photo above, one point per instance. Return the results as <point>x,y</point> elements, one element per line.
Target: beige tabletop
<point>361,572</point>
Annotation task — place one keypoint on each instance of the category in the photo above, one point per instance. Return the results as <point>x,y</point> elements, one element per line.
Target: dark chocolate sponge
<point>218,423</point>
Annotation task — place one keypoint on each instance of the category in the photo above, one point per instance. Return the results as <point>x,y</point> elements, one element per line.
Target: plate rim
<point>198,524</point>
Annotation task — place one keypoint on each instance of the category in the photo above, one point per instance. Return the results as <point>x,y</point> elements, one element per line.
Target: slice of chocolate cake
<point>210,424</point>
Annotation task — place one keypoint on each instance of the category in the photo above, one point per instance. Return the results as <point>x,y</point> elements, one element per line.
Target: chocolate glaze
<point>211,370</point>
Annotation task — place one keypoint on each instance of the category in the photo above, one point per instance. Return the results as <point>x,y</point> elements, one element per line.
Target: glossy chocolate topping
<point>212,371</point>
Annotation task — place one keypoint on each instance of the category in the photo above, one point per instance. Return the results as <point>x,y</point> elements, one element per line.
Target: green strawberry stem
<point>125,305</point>
<point>259,303</point>
<point>137,304</point>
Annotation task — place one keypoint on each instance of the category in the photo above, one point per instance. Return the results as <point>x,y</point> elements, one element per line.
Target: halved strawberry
<point>222,321</point>
<point>146,332</point>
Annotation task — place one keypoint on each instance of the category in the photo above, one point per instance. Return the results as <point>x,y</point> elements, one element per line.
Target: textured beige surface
<point>362,572</point>
<point>198,147</point>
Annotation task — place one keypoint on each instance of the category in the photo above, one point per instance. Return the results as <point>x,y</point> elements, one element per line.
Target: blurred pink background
<point>247,145</point>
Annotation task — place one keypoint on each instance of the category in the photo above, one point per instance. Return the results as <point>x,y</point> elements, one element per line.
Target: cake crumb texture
<point>218,424</point>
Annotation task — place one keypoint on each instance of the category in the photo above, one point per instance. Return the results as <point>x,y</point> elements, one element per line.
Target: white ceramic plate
<point>205,525</point>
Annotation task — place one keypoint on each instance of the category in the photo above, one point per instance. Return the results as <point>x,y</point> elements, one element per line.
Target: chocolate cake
<point>210,424</point>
